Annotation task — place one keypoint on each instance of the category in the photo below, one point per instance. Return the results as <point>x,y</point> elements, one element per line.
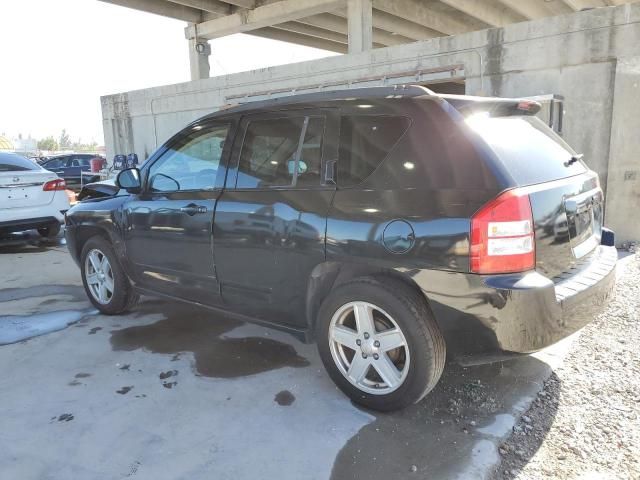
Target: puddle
<point>500,426</point>
<point>438,436</point>
<point>284,398</point>
<point>187,329</point>
<point>15,328</point>
<point>65,417</point>
<point>170,373</point>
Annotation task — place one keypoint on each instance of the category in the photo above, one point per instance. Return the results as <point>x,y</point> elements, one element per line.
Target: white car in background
<point>30,197</point>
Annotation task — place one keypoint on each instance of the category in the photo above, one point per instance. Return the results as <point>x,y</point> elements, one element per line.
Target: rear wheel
<point>379,343</point>
<point>104,280</point>
<point>50,231</point>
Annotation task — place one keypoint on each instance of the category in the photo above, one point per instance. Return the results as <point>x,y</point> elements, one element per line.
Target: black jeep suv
<point>390,225</point>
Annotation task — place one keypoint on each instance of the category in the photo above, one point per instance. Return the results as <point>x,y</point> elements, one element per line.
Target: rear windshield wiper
<point>574,159</point>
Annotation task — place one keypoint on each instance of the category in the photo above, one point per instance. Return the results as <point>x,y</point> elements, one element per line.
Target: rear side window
<point>281,152</point>
<point>15,163</point>
<point>365,141</point>
<point>530,151</point>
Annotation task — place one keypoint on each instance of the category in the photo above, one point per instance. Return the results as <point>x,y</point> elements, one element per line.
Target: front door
<point>169,225</point>
<point>270,222</point>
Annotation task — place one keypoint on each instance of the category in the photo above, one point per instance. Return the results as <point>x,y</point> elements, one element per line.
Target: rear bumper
<point>29,223</point>
<point>521,313</point>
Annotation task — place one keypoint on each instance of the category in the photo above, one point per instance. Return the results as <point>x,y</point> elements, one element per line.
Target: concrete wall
<point>579,56</point>
<point>623,184</point>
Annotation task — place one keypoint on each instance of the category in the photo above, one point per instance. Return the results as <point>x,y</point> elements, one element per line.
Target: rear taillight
<point>502,238</point>
<point>57,184</point>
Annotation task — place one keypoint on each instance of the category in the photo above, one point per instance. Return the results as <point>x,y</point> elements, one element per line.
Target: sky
<point>57,57</point>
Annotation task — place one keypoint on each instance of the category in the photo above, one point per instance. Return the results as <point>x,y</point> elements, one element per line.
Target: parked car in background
<point>31,197</point>
<point>71,168</point>
<point>390,225</point>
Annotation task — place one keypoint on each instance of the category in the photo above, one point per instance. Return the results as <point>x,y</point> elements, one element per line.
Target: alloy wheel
<point>99,276</point>
<point>369,348</point>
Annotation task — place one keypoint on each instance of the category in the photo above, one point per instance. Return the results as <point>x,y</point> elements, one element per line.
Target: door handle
<point>193,209</point>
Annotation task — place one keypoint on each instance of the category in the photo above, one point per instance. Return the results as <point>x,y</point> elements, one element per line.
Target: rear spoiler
<point>495,107</point>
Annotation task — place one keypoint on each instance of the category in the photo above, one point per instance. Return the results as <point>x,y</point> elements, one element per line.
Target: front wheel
<point>104,280</point>
<point>379,343</point>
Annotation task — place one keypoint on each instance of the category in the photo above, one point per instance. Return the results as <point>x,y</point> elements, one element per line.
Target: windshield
<point>530,151</point>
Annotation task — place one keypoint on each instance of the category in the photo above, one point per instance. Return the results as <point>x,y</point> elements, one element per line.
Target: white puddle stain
<point>501,425</point>
<point>15,328</point>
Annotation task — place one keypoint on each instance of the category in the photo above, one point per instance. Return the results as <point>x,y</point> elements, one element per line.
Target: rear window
<point>10,162</point>
<point>530,151</point>
<point>365,141</point>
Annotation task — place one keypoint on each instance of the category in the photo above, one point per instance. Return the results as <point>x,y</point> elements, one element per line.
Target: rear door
<point>566,198</point>
<point>168,226</point>
<point>21,183</point>
<point>270,222</point>
<point>73,174</point>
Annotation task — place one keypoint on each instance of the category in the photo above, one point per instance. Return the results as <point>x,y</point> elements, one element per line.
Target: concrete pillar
<point>360,22</point>
<point>199,51</point>
<point>623,180</point>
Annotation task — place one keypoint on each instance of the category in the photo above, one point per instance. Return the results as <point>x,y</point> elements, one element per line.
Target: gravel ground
<point>585,423</point>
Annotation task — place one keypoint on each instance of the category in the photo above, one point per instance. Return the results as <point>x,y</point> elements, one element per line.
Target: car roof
<point>353,94</point>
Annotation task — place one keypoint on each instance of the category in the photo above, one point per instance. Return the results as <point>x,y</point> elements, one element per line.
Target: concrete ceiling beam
<point>312,31</point>
<point>246,4</point>
<point>161,7</point>
<point>489,12</point>
<point>261,17</point>
<point>578,5</point>
<point>533,9</point>
<point>210,6</point>
<point>293,37</point>
<point>338,24</point>
<point>423,14</point>
<point>400,26</point>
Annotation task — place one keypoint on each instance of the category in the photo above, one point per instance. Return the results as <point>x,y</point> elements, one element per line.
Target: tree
<point>84,147</point>
<point>48,143</point>
<point>65,140</point>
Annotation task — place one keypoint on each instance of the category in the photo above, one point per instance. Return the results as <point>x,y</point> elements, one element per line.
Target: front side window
<point>365,141</point>
<point>281,152</point>
<point>192,162</point>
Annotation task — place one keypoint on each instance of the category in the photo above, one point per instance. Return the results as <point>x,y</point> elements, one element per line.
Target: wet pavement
<point>172,391</point>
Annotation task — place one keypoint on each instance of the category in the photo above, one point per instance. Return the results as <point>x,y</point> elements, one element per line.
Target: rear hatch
<point>566,198</point>
<point>24,188</point>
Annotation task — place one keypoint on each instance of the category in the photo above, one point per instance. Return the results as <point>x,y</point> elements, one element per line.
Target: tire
<point>51,231</point>
<point>120,296</point>
<point>419,361</point>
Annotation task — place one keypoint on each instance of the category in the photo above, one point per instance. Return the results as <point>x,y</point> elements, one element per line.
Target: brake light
<point>51,185</point>
<point>502,238</point>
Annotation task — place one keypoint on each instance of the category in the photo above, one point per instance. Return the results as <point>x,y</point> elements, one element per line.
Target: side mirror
<point>129,180</point>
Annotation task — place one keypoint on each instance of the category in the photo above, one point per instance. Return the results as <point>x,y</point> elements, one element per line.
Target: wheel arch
<point>84,232</point>
<point>329,275</point>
